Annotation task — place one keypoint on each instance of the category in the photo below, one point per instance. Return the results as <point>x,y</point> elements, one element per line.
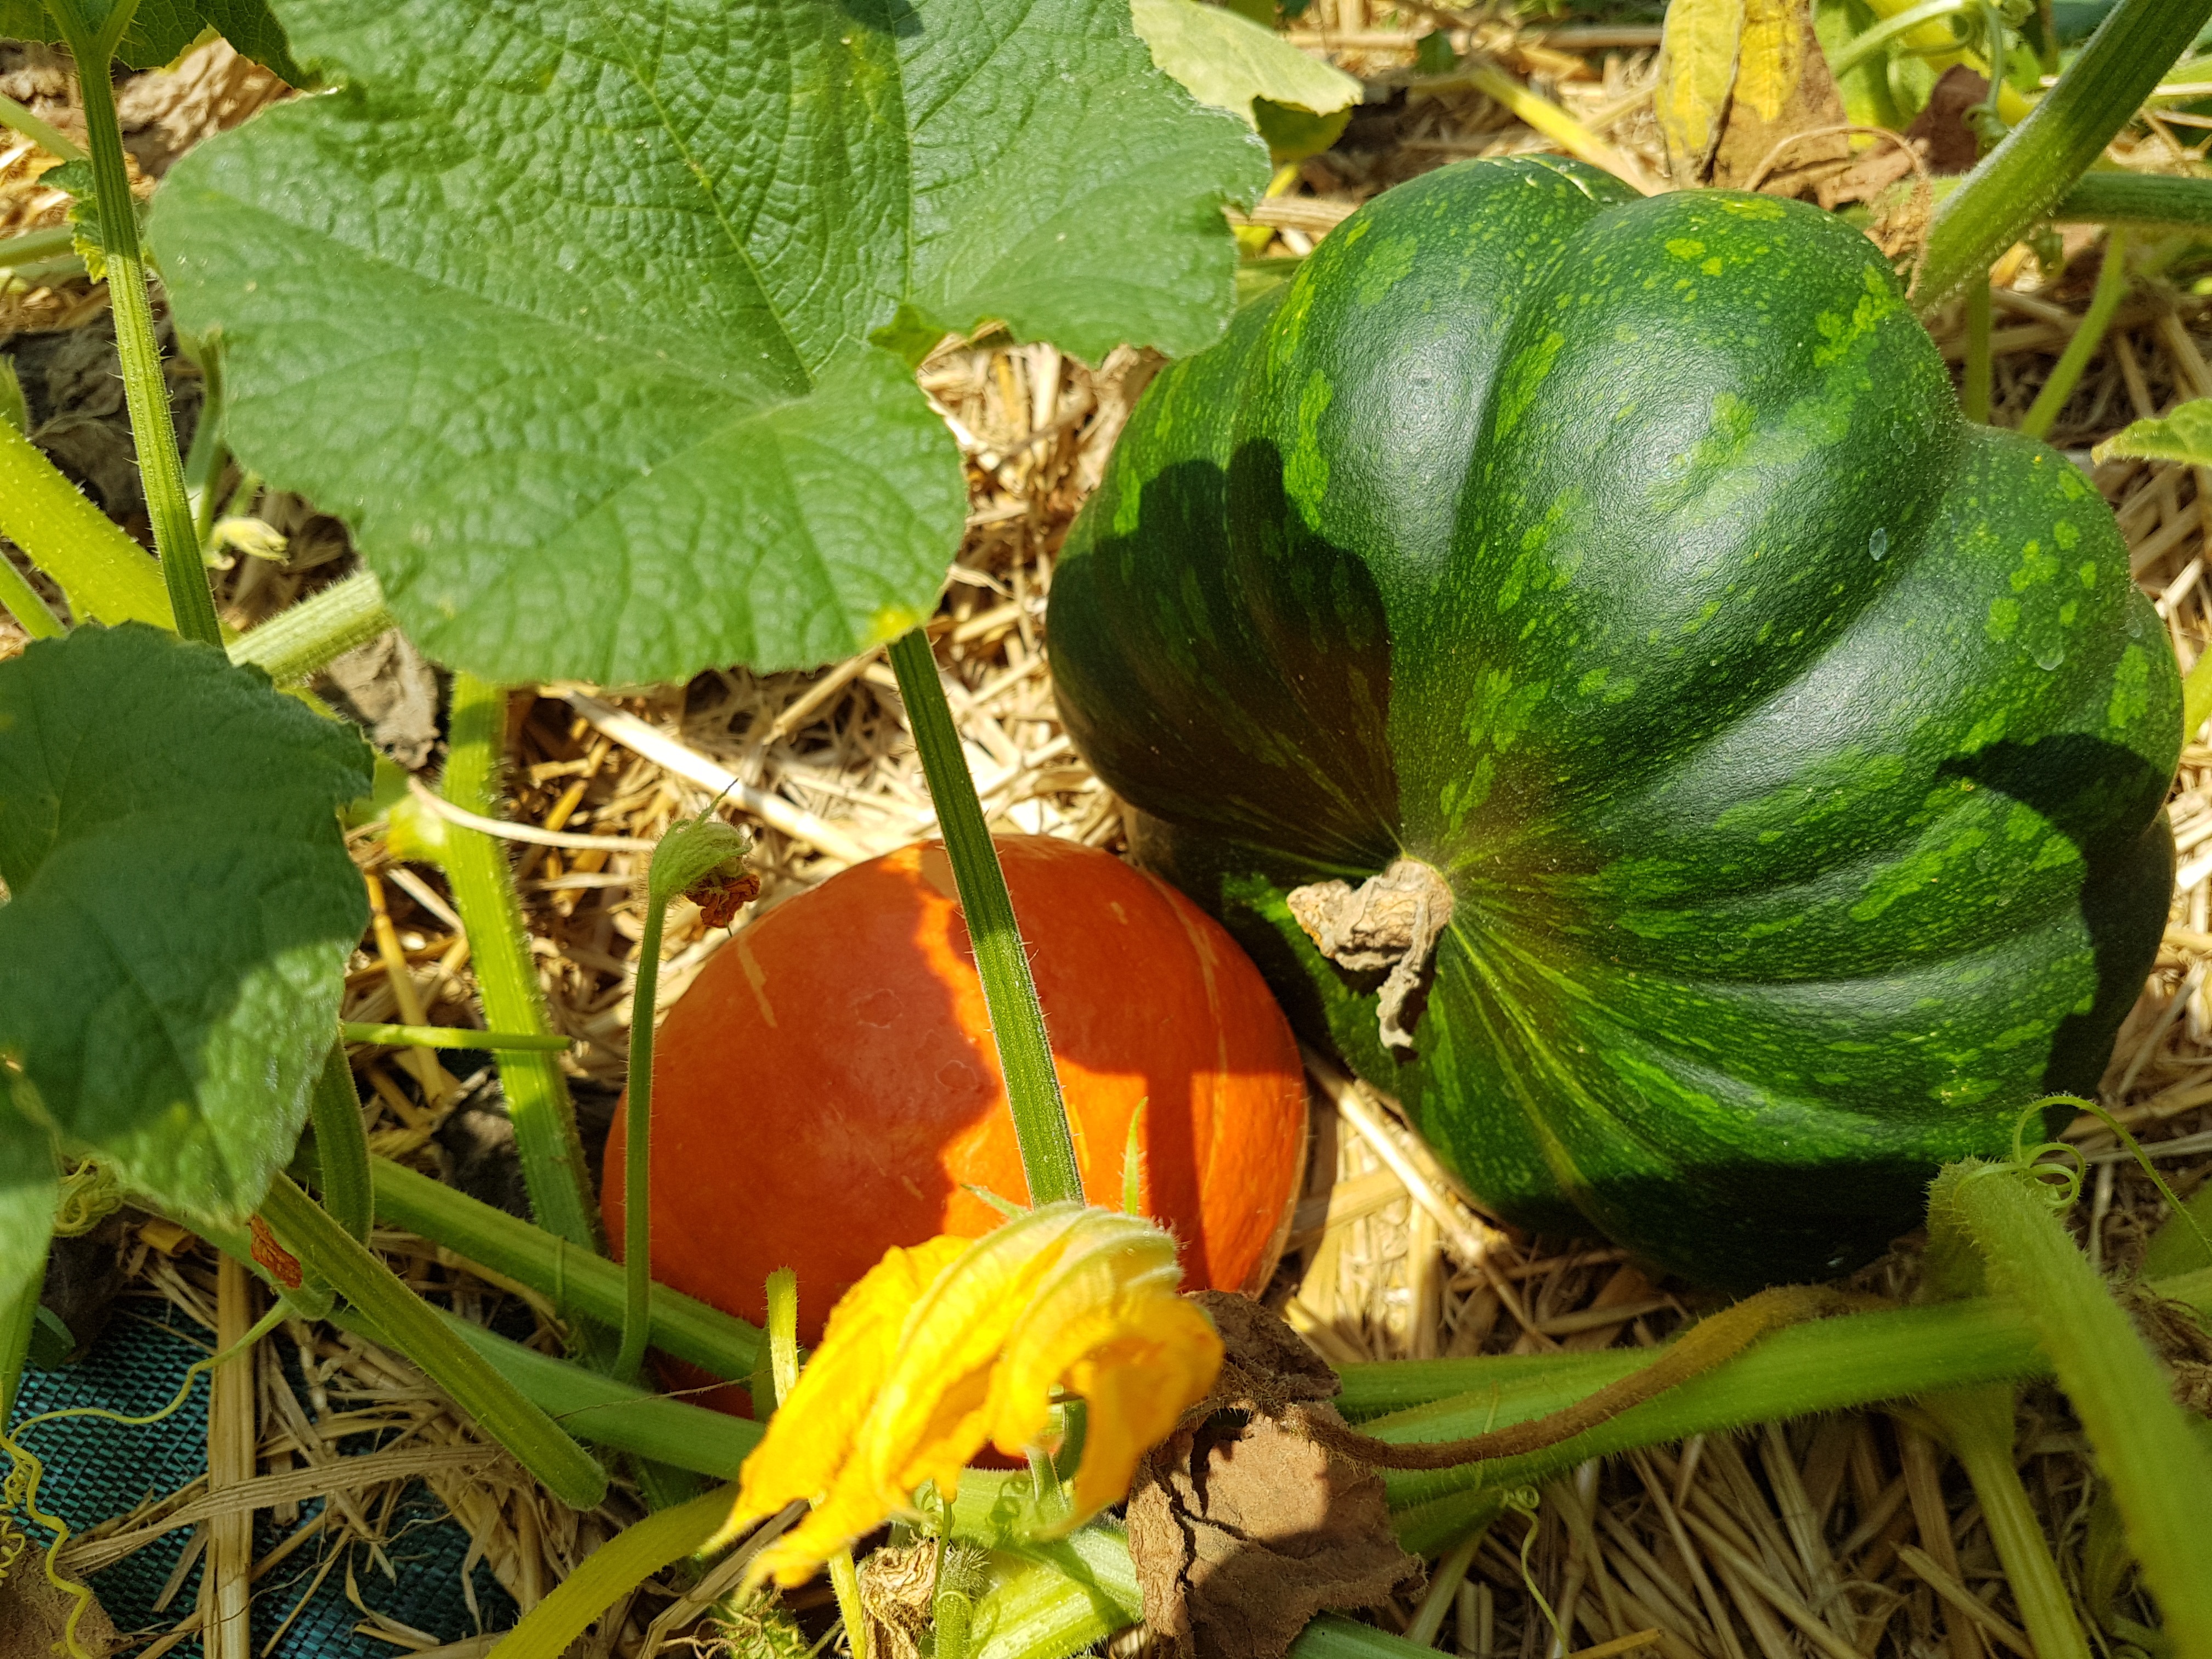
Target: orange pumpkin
<point>828,1087</point>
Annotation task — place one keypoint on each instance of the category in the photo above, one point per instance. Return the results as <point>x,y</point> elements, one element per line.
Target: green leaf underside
<point>567,311</point>
<point>2184,435</point>
<point>1227,61</point>
<point>161,29</point>
<point>181,906</point>
<point>1794,751</point>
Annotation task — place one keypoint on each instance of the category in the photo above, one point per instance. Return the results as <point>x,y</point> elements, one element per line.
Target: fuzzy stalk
<point>341,1145</point>
<point>538,1101</point>
<point>2136,199</point>
<point>2024,178</point>
<point>452,1036</point>
<point>2088,334</point>
<point>611,1572</point>
<point>1009,992</point>
<point>17,1318</point>
<point>107,576</point>
<point>21,600</point>
<point>301,640</point>
<point>326,1250</point>
<point>145,389</point>
<point>2159,1470</point>
<point>581,1283</point>
<point>1974,392</point>
<point>1977,1426</point>
<point>637,1150</point>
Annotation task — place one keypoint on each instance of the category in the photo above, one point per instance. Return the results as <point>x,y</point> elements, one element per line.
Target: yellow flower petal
<point>942,1347</point>
<point>807,1452</point>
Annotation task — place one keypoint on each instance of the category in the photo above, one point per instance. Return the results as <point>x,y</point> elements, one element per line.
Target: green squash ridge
<point>1794,751</point>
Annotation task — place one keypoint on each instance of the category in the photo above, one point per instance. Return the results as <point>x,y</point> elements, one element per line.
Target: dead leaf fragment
<point>1696,72</point>
<point>1242,1526</point>
<point>1391,920</point>
<point>1783,94</point>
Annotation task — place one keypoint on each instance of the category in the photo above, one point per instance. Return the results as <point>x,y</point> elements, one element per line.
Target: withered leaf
<point>1783,88</point>
<point>1242,1526</point>
<point>1696,71</point>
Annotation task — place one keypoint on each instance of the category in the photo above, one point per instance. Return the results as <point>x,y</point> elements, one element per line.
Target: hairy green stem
<point>1974,389</point>
<point>325,1248</point>
<point>1009,992</point>
<point>1977,1425</point>
<point>48,138</point>
<point>452,1037</point>
<point>145,388</point>
<point>2088,334</point>
<point>34,247</point>
<point>107,576</point>
<point>341,1145</point>
<point>582,1284</point>
<point>17,1318</point>
<point>2136,198</point>
<point>611,1572</point>
<point>1829,1364</point>
<point>297,642</point>
<point>637,1147</point>
<point>507,975</point>
<point>2146,1447</point>
<point>2023,178</point>
<point>21,600</point>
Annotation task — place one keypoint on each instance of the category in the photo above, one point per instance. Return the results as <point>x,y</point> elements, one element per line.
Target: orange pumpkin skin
<point>827,1088</point>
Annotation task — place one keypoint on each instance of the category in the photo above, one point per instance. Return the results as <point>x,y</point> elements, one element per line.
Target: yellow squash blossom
<point>958,1342</point>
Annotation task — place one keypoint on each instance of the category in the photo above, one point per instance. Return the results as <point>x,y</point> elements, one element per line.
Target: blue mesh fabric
<point>95,1469</point>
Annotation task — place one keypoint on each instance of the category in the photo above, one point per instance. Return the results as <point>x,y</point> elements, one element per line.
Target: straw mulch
<point>1844,1536</point>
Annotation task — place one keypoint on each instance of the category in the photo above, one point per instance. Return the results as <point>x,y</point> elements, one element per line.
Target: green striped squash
<point>1789,752</point>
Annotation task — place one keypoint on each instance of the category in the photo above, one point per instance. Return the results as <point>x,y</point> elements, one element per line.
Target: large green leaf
<point>1227,61</point>
<point>160,29</point>
<point>180,907</point>
<point>567,308</point>
<point>2184,435</point>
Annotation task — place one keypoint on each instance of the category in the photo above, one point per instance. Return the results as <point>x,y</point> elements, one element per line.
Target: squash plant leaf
<point>568,309</point>
<point>1227,61</point>
<point>2184,433</point>
<point>180,907</point>
<point>1696,72</point>
<point>161,29</point>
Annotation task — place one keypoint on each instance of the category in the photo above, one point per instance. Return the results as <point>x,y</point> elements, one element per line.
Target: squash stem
<point>2066,374</point>
<point>145,389</point>
<point>341,1145</point>
<point>637,1148</point>
<point>1977,1424</point>
<point>2158,1470</point>
<point>538,1101</point>
<point>452,1036</point>
<point>298,640</point>
<point>21,600</point>
<point>582,1286</point>
<point>2025,177</point>
<point>17,1320</point>
<point>1974,388</point>
<point>107,576</point>
<point>1009,992</point>
<point>327,1250</point>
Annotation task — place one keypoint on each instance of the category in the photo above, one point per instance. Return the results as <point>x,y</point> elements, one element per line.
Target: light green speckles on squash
<point>1523,378</point>
<point>1924,866</point>
<point>1388,262</point>
<point>1462,796</point>
<point>2068,612</point>
<point>1306,474</point>
<point>2066,534</point>
<point>1498,712</point>
<point>1686,247</point>
<point>1713,267</point>
<point>2035,566</point>
<point>2130,690</point>
<point>1128,512</point>
<point>2004,619</point>
<point>1707,612</point>
<point>1985,732</point>
<point>1965,1091</point>
<point>1289,323</point>
<point>2087,572</point>
<point>2056,853</point>
<point>1592,683</point>
<point>1751,207</point>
